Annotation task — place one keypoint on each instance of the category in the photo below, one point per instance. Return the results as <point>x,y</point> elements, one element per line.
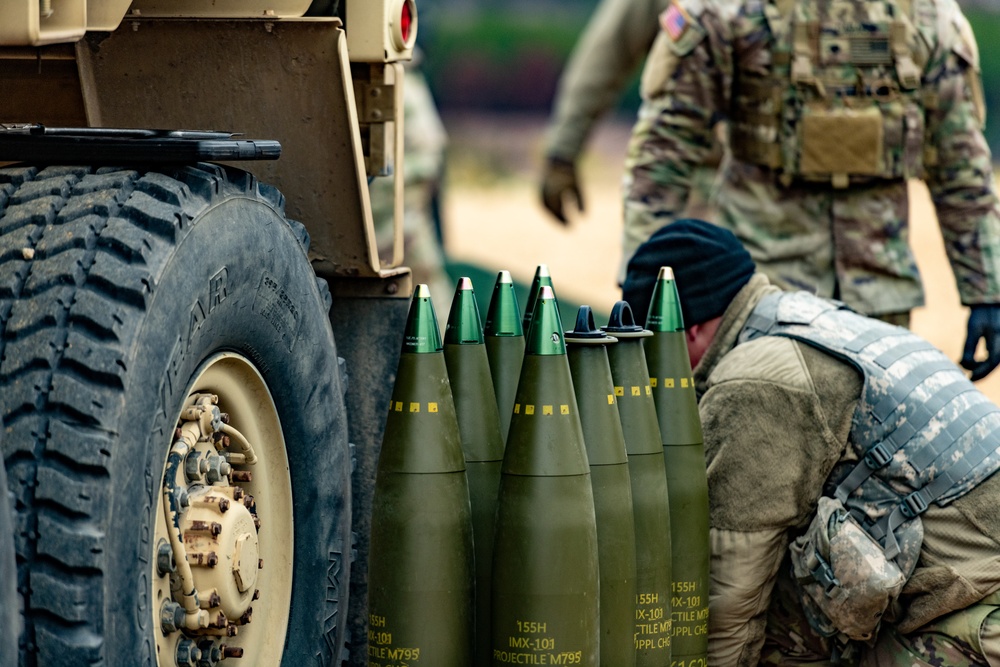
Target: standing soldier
<point>613,44</point>
<point>833,105</point>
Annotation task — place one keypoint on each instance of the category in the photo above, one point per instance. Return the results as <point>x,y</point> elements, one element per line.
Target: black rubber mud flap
<point>115,286</point>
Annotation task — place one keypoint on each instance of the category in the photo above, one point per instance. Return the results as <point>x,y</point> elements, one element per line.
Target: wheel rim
<point>232,520</point>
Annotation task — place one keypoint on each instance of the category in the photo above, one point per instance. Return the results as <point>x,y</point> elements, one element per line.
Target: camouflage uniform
<point>833,105</point>
<point>614,43</point>
<point>777,417</point>
<point>424,142</point>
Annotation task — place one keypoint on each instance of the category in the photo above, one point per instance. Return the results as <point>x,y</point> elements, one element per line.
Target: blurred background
<point>492,69</point>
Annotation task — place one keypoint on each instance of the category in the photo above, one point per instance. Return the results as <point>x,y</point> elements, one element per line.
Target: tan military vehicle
<point>177,418</point>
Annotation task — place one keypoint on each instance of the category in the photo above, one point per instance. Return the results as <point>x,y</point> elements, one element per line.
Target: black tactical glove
<point>984,322</point>
<point>558,182</point>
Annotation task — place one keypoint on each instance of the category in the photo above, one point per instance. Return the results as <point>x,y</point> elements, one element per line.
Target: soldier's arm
<point>616,39</point>
<point>744,568</point>
<point>771,439</point>
<point>685,90</point>
<point>961,179</point>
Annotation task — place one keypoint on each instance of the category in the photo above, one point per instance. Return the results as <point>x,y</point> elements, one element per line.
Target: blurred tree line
<point>481,55</point>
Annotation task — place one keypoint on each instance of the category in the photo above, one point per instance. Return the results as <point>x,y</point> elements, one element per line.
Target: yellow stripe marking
<point>611,399</point>
<point>564,409</point>
<point>414,407</point>
<point>432,407</point>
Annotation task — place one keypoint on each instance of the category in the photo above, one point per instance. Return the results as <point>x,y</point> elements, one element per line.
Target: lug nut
<point>232,630</point>
<point>188,654</point>
<point>210,654</point>
<point>245,618</point>
<point>256,594</point>
<point>171,617</point>
<point>165,563</point>
<point>216,468</point>
<point>193,466</point>
<point>238,493</point>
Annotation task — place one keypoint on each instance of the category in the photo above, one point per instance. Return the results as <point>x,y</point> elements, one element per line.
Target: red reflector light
<point>406,21</point>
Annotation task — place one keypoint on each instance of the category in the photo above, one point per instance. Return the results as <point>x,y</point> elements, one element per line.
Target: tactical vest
<point>922,432</point>
<point>840,101</point>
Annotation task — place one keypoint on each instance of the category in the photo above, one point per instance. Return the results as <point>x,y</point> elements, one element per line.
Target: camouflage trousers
<point>966,638</point>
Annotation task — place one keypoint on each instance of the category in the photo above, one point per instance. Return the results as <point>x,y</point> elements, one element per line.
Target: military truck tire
<point>9,621</point>
<point>122,293</point>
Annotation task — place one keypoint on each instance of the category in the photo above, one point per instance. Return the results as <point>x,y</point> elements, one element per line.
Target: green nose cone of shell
<point>665,305</point>
<point>421,335</point>
<point>545,337</point>
<point>504,316</point>
<point>542,279</point>
<point>464,325</point>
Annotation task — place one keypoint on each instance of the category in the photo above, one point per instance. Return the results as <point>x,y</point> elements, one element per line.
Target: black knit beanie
<point>710,266</point>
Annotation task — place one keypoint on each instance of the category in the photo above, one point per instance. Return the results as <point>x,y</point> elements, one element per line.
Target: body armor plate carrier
<point>921,432</point>
<point>841,100</point>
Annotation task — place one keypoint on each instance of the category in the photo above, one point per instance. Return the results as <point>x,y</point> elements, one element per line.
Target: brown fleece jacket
<point>776,416</point>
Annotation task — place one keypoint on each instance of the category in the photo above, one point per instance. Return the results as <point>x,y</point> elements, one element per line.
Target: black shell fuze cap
<point>709,263</point>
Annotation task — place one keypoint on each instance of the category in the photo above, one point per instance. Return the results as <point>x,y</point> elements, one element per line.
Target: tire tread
<point>81,252</point>
<point>71,284</point>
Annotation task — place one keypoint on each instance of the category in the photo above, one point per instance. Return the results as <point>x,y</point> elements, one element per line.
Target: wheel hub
<point>209,555</point>
<point>221,540</point>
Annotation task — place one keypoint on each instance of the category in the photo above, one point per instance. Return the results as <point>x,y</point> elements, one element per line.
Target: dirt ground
<point>493,218</point>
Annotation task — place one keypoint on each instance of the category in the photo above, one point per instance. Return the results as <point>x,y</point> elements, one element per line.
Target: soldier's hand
<point>559,182</point>
<point>984,322</point>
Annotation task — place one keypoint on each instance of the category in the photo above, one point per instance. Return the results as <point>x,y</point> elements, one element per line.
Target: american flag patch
<point>675,21</point>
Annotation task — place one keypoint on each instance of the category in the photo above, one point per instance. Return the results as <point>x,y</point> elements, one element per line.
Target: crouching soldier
<point>855,514</point>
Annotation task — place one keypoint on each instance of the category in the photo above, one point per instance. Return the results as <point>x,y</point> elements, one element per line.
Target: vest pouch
<point>844,580</point>
<point>838,143</point>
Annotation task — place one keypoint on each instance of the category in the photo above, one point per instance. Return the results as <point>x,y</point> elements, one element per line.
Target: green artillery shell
<point>684,452</point>
<point>420,564</point>
<point>545,576</point>
<point>587,348</point>
<point>504,346</point>
<point>479,426</point>
<point>653,620</point>
<point>542,278</point>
